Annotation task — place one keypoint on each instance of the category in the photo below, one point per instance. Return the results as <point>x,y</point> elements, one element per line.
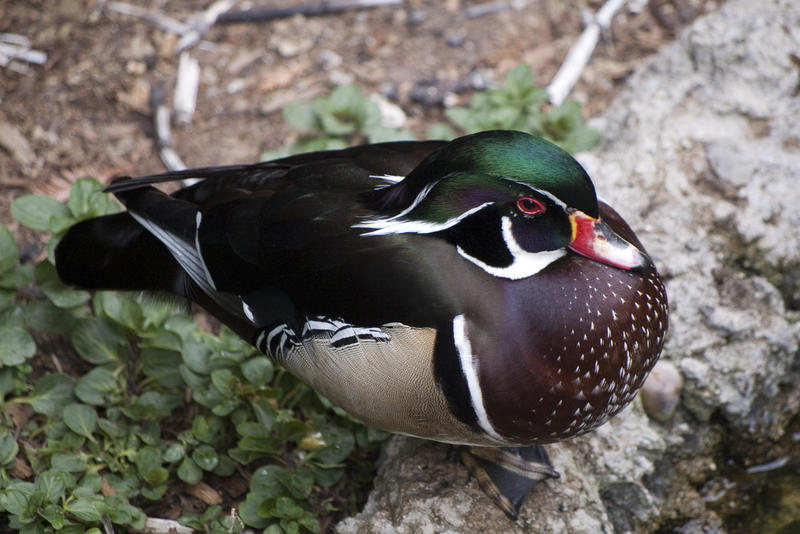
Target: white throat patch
<point>525,263</point>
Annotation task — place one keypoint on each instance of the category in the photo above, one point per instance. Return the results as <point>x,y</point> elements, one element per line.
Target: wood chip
<point>16,144</point>
<point>106,488</point>
<point>205,493</point>
<point>21,469</point>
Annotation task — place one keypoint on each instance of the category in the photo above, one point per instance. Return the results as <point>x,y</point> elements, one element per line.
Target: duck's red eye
<point>530,206</point>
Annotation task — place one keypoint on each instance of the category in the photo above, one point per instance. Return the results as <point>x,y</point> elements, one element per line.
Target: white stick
<point>165,22</point>
<point>204,22</point>
<point>185,98</point>
<point>154,525</point>
<point>10,50</point>
<point>581,51</point>
<point>172,161</point>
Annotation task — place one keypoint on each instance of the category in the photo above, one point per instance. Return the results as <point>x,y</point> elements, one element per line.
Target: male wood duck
<point>473,292</point>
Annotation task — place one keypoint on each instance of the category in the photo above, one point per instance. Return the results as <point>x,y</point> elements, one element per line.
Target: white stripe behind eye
<point>388,177</point>
<point>393,225</point>
<point>469,365</point>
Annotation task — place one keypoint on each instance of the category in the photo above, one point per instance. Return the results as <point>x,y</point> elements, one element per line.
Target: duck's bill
<point>596,240</point>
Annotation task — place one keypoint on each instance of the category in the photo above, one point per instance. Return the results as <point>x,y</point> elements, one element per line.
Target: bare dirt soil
<point>86,111</point>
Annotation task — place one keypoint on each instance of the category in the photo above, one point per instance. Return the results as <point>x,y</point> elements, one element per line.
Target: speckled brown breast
<point>592,334</point>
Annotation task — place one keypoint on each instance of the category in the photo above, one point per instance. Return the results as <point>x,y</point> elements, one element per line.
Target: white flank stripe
<point>198,218</point>
<point>525,263</point>
<point>182,251</point>
<point>248,312</point>
<point>468,367</point>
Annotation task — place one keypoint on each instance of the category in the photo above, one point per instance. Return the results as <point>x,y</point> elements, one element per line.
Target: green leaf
<point>51,393</point>
<point>383,134</point>
<point>348,99</point>
<point>205,457</point>
<point>189,471</point>
<point>225,466</point>
<point>258,371</point>
<point>154,493</point>
<point>148,465</point>
<point>35,211</point>
<point>441,130</point>
<point>519,79</point>
<point>16,345</point>
<point>71,462</point>
<point>8,449</point>
<point>463,118</point>
<point>248,510</point>
<point>14,501</point>
<point>174,453</point>
<point>113,428</point>
<point>86,510</point>
<point>162,339</point>
<point>122,308</point>
<point>81,419</point>
<point>265,413</point>
<point>44,316</point>
<point>334,125</point>
<point>80,194</point>
<point>97,341</point>
<point>122,513</point>
<point>340,444</point>
<point>162,365</point>
<point>207,430</point>
<point>93,387</point>
<point>152,405</point>
<point>6,382</point>
<point>53,514</point>
<point>9,252</point>
<point>224,381</point>
<point>61,295</point>
<point>196,356</point>
<point>301,116</point>
<point>53,484</point>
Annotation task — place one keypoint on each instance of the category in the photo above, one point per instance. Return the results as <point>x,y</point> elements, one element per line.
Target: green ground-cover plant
<point>520,105</point>
<point>347,117</point>
<point>142,400</point>
<point>344,118</point>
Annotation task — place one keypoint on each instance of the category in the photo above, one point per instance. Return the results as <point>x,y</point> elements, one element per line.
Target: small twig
<point>108,527</point>
<point>489,8</point>
<point>172,161</point>
<point>581,51</point>
<point>15,46</point>
<point>163,21</point>
<point>309,10</point>
<point>204,22</point>
<point>154,525</point>
<point>185,98</point>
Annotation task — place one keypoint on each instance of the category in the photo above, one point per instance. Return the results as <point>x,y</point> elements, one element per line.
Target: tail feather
<point>116,252</point>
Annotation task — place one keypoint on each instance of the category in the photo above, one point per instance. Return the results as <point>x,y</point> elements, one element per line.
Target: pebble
<point>662,391</point>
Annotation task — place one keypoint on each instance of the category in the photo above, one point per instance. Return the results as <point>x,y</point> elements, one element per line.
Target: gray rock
<point>702,157</point>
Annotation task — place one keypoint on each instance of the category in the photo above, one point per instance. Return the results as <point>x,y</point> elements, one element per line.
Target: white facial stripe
<point>198,219</point>
<point>469,368</point>
<point>525,263</point>
<point>393,226</point>
<point>388,177</point>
